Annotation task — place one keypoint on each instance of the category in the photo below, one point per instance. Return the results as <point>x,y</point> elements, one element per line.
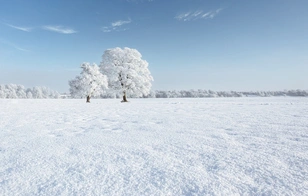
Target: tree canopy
<point>90,83</point>
<point>127,72</point>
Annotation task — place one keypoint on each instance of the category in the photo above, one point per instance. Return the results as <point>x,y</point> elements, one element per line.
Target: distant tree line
<point>16,91</point>
<point>209,93</point>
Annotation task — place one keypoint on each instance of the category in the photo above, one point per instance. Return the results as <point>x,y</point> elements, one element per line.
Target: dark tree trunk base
<point>124,98</point>
<point>88,99</point>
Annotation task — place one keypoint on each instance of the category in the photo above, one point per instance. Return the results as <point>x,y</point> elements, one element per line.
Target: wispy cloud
<point>59,29</point>
<point>199,14</point>
<point>120,23</point>
<point>21,49</point>
<point>26,29</point>
<point>116,26</point>
<point>110,29</point>
<point>13,45</point>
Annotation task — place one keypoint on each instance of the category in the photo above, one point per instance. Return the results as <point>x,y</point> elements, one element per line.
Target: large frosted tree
<point>90,83</point>
<point>127,73</point>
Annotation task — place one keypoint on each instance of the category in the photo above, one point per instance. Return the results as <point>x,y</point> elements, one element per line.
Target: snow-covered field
<point>222,146</point>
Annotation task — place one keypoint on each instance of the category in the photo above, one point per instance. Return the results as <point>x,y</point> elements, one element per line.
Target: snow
<point>221,146</point>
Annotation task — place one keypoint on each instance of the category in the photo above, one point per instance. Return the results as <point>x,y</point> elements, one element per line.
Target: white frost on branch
<point>127,72</point>
<point>91,82</point>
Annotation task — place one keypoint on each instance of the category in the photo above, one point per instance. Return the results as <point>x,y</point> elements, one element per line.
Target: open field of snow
<point>222,146</point>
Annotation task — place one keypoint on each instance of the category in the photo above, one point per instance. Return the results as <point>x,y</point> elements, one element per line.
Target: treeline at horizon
<point>16,91</point>
<point>209,93</point>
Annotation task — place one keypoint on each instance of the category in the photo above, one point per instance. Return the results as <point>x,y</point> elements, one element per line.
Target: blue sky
<point>189,44</point>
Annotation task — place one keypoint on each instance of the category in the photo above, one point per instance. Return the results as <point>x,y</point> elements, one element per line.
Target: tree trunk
<point>88,99</point>
<point>124,98</point>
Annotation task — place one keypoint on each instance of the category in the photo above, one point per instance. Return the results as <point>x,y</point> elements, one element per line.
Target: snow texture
<point>225,146</point>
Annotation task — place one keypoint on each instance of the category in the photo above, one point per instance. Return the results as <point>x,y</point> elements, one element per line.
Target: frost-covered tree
<point>37,92</point>
<point>90,83</point>
<point>29,95</point>
<point>20,92</point>
<point>11,91</point>
<point>2,91</point>
<point>127,73</point>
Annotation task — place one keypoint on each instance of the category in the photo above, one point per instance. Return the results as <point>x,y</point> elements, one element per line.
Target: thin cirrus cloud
<point>116,26</point>
<point>26,29</point>
<point>13,45</point>
<point>59,29</point>
<point>120,23</point>
<point>196,15</point>
<point>21,49</point>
